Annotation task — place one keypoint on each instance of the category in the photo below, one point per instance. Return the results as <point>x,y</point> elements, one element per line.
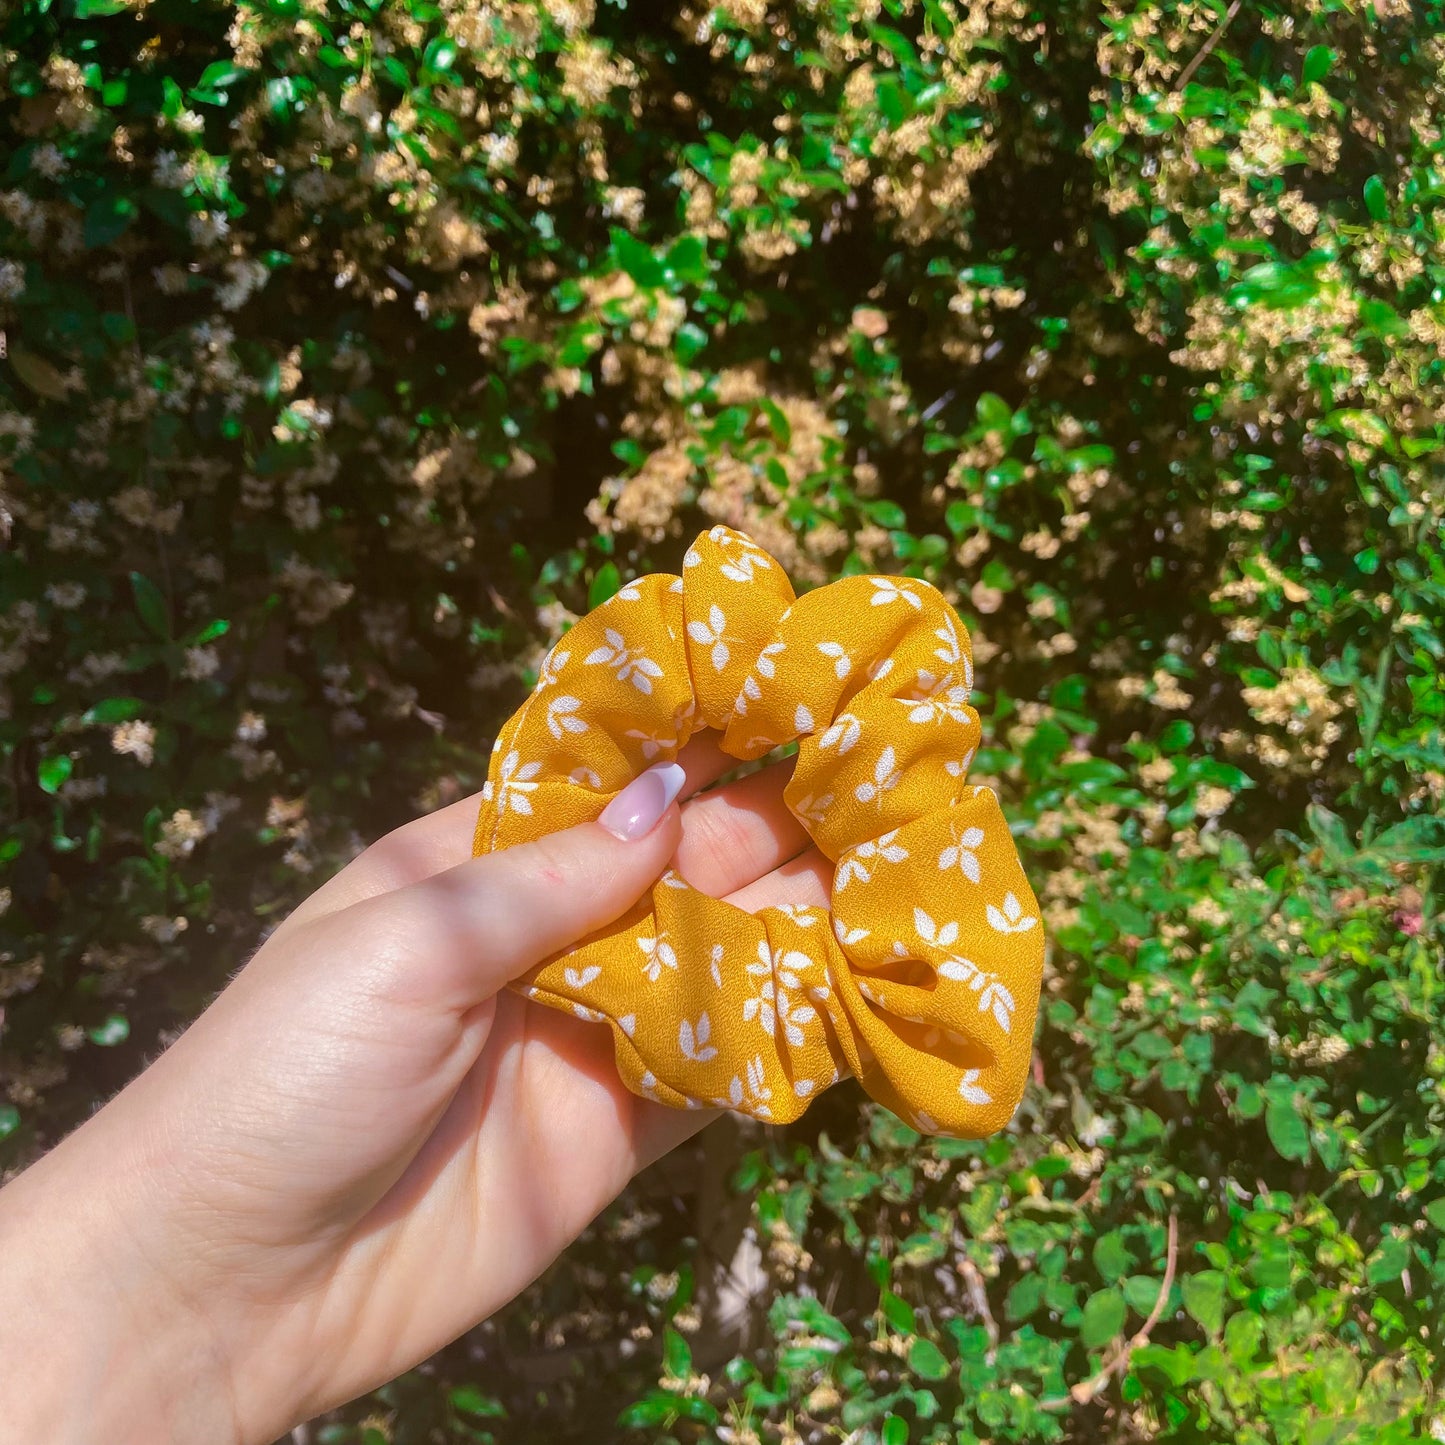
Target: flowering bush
<point>354,347</point>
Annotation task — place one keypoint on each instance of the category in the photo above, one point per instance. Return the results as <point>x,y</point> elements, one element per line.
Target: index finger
<point>431,844</point>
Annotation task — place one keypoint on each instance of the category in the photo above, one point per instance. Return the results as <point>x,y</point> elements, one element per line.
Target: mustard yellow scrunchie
<point>923,980</point>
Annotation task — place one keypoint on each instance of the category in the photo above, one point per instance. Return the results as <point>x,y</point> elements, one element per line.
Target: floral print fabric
<point>923,978</point>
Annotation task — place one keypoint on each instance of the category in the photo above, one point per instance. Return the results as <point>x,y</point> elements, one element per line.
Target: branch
<point>1082,1393</point>
<point>1187,74</point>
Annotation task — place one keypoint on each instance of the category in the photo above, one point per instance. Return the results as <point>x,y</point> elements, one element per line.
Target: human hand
<point>366,1144</point>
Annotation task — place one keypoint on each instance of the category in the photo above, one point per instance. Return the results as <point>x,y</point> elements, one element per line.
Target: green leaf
<point>898,1312</point>
<point>151,605</point>
<point>93,9</point>
<point>107,218</point>
<point>471,1401</point>
<point>926,1360</point>
<point>1025,1297</point>
<point>1388,1262</point>
<point>1112,1257</point>
<point>656,1409</point>
<point>111,710</point>
<point>1286,1129</point>
<point>676,1355</point>
<point>687,259</point>
<point>52,772</point>
<point>1377,199</point>
<point>9,1120</point>
<point>994,413</point>
<point>605,582</point>
<point>895,1431</point>
<point>1176,736</point>
<point>1204,1299</point>
<point>115,1030</point>
<point>1319,61</point>
<point>221,73</point>
<point>887,514</point>
<point>1103,1318</point>
<point>636,258</point>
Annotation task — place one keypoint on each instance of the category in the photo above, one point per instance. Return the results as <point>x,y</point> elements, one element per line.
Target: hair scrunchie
<point>923,979</point>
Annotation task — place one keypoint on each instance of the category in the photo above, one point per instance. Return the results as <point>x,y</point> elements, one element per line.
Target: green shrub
<point>355,347</point>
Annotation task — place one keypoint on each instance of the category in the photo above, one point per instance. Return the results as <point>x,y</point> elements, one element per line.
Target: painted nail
<point>635,811</point>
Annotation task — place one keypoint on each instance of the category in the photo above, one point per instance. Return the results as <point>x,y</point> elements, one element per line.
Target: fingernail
<point>635,811</point>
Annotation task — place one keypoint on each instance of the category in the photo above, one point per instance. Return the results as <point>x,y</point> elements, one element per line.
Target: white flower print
<point>741,570</point>
<point>772,1006</point>
<point>889,591</point>
<point>940,935</point>
<point>750,556</point>
<point>886,777</point>
<point>1011,918</point>
<point>657,955</point>
<point>691,558</point>
<point>811,809</point>
<point>936,698</point>
<point>629,593</point>
<point>562,716</point>
<point>517,780</point>
<point>993,996</point>
<point>552,664</point>
<point>710,634</point>
<point>584,778</point>
<point>951,653</point>
<point>959,769</point>
<point>715,965</point>
<point>628,663</point>
<point>588,1015</point>
<point>849,936</point>
<point>652,743</point>
<point>842,663</point>
<point>968,1087</point>
<point>802,719</point>
<point>852,866</point>
<point>765,663</point>
<point>756,1090</point>
<point>628,1024</point>
<point>879,667</point>
<point>801,914</point>
<point>843,735</point>
<point>693,1040</point>
<point>803,1087</point>
<point>960,853</point>
<point>752,688</point>
<point>581,977</point>
<point>996,997</point>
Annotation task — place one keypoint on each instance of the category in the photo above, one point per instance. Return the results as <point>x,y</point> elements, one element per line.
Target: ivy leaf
<point>1111,1256</point>
<point>1204,1299</point>
<point>107,218</point>
<point>1103,1318</point>
<point>150,604</point>
<point>1377,199</point>
<point>53,772</point>
<point>928,1361</point>
<point>605,582</point>
<point>40,375</point>
<point>1319,61</point>
<point>1286,1129</point>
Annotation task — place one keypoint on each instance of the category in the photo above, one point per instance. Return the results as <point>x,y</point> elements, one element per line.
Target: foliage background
<point>356,346</point>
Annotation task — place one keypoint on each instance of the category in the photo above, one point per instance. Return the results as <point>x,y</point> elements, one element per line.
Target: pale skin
<point>367,1144</point>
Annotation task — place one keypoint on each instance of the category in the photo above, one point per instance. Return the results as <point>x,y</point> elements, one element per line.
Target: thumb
<point>458,937</point>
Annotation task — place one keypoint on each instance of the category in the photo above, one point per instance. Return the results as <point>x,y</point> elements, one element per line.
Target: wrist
<point>97,1342</point>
